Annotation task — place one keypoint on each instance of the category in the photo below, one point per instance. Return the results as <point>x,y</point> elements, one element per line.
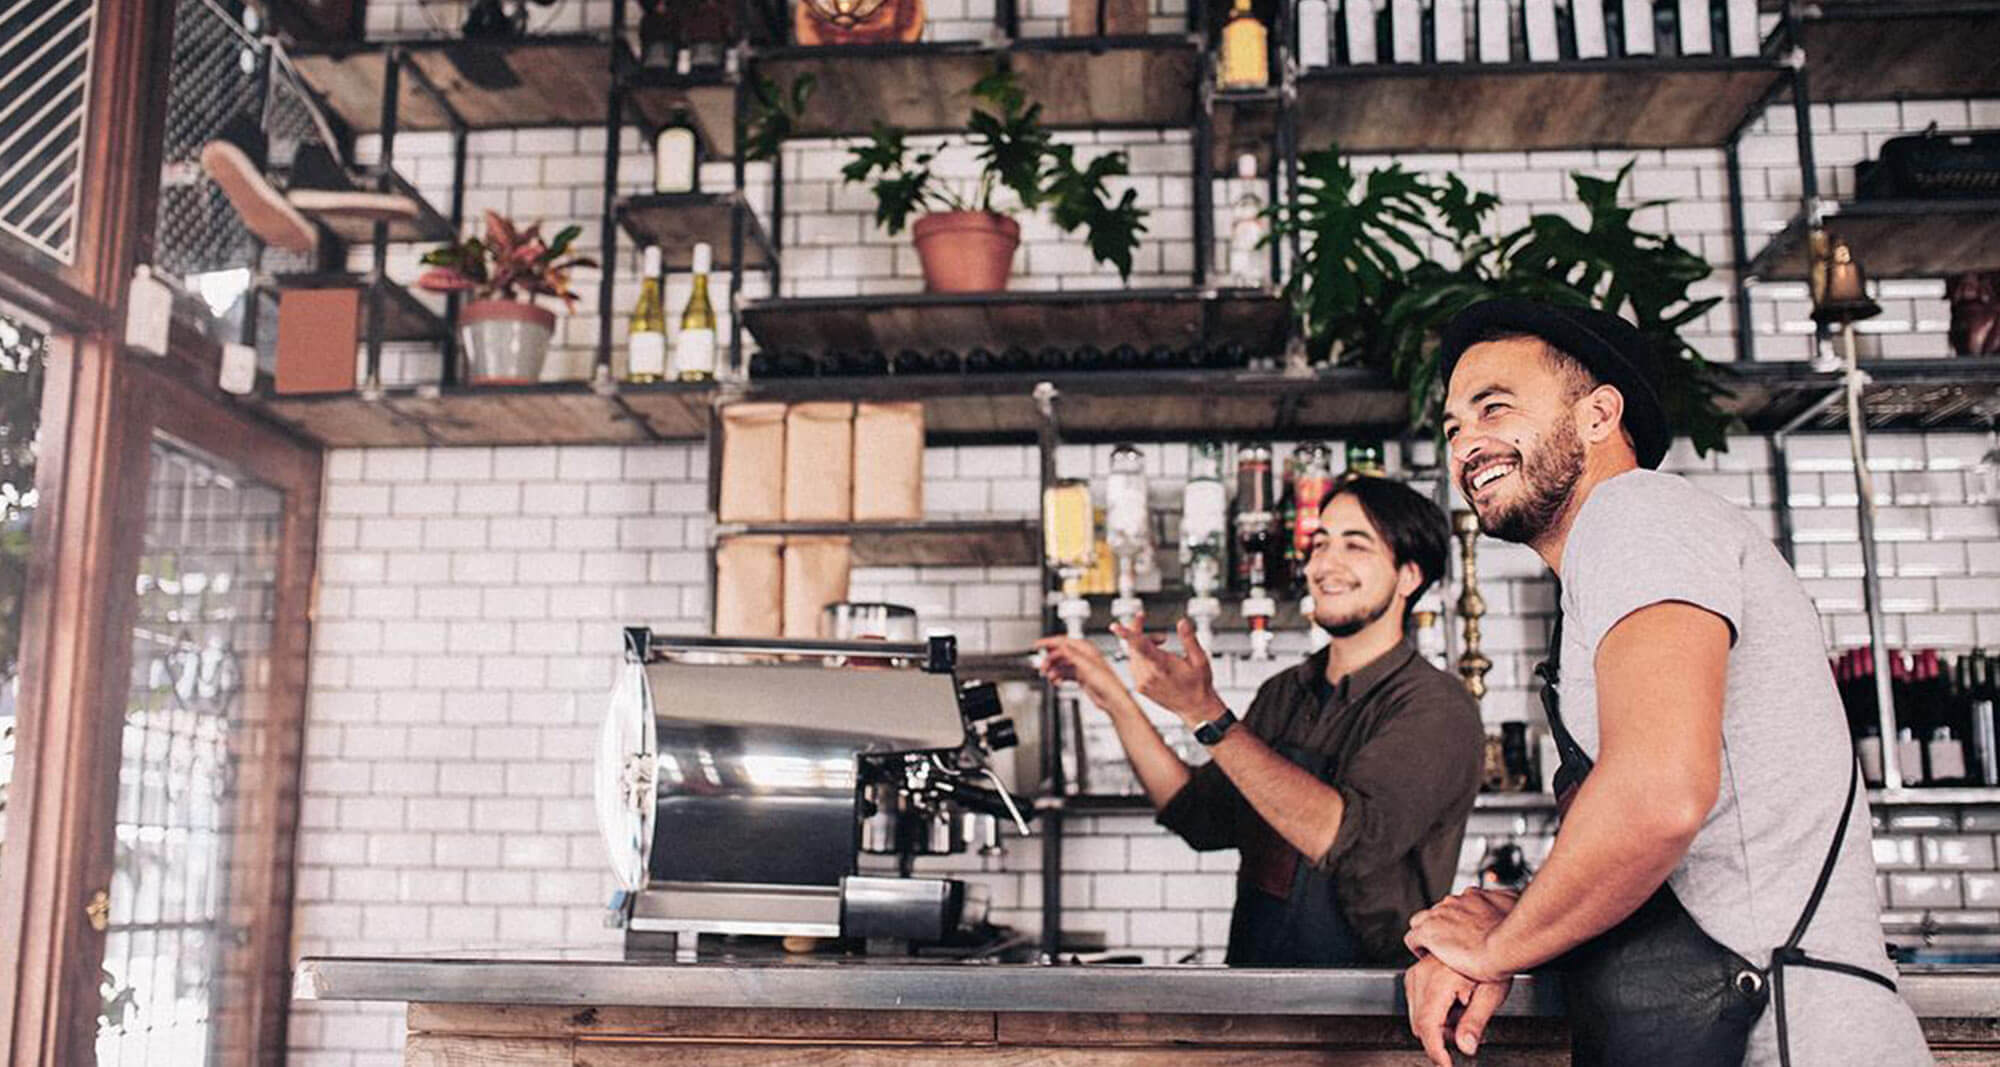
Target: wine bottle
<point>908,361</point>
<point>694,351</point>
<point>646,346</point>
<point>1944,743</point>
<point>1314,33</point>
<point>944,361</point>
<point>1246,59</point>
<point>674,163</point>
<point>1979,706</point>
<point>1249,261</point>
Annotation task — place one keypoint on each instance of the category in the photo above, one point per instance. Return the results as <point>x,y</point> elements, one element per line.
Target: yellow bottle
<point>1067,526</point>
<point>1246,57</point>
<point>694,352</point>
<point>646,347</point>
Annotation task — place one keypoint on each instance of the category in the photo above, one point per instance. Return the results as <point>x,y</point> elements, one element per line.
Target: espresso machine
<point>786,788</point>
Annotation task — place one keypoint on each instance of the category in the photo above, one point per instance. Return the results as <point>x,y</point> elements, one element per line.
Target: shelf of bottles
<point>1945,712</point>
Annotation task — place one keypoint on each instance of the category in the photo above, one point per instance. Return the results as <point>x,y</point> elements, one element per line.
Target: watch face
<point>1209,733</point>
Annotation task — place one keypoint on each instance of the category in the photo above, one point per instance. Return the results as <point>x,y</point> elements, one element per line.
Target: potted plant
<point>1370,292</point>
<point>505,334</point>
<point>964,238</point>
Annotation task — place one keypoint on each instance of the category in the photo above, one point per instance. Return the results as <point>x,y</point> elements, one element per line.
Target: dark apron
<point>1285,913</point>
<point>1656,989</point>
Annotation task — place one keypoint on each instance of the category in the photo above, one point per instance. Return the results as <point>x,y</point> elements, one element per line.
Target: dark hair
<point>1414,527</point>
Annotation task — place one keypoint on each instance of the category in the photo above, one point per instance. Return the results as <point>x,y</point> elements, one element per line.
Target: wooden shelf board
<point>920,544</point>
<point>1896,239</point>
<point>1032,320</point>
<point>1530,106</point>
<point>927,88</point>
<point>556,80</point>
<point>1244,123</point>
<point>428,225</point>
<point>1908,50</point>
<point>711,104</point>
<point>406,317</point>
<point>1117,406</point>
<point>675,221</point>
<point>553,413</point>
<point>1904,394</point>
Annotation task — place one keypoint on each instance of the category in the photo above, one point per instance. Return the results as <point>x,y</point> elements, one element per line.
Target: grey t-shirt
<point>1645,538</point>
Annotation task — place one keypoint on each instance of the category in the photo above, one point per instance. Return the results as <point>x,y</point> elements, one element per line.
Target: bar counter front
<point>602,1009</point>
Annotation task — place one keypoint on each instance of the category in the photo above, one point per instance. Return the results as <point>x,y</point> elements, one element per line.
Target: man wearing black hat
<point>1710,897</point>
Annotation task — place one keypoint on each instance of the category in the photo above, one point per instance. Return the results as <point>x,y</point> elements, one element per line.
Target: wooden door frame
<point>99,406</point>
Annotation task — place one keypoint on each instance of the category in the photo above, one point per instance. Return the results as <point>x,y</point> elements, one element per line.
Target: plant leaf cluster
<point>1372,289</point>
<point>1017,155</point>
<point>506,263</point>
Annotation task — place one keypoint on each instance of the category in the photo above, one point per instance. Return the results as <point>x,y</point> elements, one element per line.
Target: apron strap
<point>1791,955</point>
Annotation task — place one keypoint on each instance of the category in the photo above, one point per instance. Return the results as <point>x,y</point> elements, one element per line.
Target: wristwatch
<point>1210,732</point>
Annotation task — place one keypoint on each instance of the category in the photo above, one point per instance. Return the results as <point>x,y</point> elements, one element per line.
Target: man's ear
<point>1409,577</point>
<point>1602,412</point>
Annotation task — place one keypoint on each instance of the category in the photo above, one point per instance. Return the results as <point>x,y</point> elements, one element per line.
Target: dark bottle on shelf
<point>1160,357</point>
<point>706,28</point>
<point>1125,357</point>
<point>763,365</point>
<point>981,361</point>
<point>1052,360</point>
<point>1862,714</point>
<point>1087,358</point>
<point>1016,360</point>
<point>1977,671</point>
<point>1614,28</point>
<point>944,361</point>
<point>1944,738</point>
<point>909,361</point>
<point>1288,572</point>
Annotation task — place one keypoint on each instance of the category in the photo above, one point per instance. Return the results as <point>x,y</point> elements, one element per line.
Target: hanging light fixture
<point>1840,287</point>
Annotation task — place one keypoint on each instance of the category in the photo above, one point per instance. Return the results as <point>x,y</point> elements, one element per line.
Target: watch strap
<point>1210,732</point>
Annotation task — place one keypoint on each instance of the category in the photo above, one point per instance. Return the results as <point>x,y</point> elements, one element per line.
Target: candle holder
<point>1473,664</point>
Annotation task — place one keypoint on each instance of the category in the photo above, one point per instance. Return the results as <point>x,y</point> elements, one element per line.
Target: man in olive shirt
<point>1348,785</point>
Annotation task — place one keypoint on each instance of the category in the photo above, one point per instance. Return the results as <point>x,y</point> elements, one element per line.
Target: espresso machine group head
<point>786,788</point>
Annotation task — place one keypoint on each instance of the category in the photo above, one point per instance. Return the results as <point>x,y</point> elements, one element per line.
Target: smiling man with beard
<point>1710,897</point>
<point>1347,786</point>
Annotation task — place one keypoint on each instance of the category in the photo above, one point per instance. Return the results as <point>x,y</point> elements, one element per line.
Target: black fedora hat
<point>1613,350</point>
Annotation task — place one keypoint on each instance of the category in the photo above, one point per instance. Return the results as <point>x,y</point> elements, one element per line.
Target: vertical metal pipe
<point>1739,246</point>
<point>1053,787</point>
<point>1203,172</point>
<point>1871,580</point>
<point>1781,491</point>
<point>738,368</point>
<point>392,87</point>
<point>777,219</point>
<point>614,123</point>
<point>454,302</point>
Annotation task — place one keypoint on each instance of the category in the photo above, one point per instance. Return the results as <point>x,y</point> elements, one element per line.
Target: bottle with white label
<point>1315,33</point>
<point>674,169</point>
<point>1247,229</point>
<point>646,345</point>
<point>694,350</point>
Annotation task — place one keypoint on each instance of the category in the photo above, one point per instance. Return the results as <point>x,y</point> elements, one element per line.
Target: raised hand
<point>1183,684</point>
<point>1072,659</point>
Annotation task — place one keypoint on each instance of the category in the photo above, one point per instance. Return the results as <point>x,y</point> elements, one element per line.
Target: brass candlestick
<point>1473,665</point>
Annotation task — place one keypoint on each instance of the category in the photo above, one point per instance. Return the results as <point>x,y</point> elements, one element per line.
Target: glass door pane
<point>22,359</point>
<point>193,728</point>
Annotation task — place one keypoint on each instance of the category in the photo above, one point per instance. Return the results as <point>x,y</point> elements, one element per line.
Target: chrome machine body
<point>784,788</point>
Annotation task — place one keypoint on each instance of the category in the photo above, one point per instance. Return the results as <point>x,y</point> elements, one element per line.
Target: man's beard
<point>1547,477</point>
<point>1357,622</point>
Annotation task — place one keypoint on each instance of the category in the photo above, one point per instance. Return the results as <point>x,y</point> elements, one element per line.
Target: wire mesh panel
<point>193,731</point>
<point>217,75</point>
<point>45,52</point>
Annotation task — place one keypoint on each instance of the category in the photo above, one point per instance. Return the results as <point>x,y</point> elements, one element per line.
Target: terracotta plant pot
<point>506,341</point>
<point>966,251</point>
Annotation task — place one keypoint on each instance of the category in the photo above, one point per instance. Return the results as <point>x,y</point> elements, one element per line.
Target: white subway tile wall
<point>471,600</point>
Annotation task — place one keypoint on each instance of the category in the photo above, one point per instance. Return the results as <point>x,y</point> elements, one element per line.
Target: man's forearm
<point>1616,847</point>
<point>1305,811</point>
<point>1160,771</point>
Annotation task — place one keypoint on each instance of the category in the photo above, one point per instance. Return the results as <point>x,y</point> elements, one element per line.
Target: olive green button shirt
<point>1403,743</point>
